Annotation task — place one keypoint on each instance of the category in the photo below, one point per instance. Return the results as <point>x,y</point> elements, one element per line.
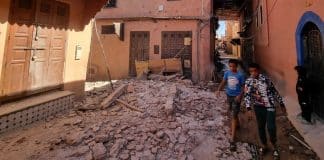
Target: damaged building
<point>160,36</point>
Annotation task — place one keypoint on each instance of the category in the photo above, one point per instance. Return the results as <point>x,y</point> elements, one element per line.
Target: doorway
<point>35,51</point>
<point>313,52</point>
<point>139,49</point>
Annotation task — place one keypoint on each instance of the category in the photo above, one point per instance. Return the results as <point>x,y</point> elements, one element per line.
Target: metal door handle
<point>33,49</point>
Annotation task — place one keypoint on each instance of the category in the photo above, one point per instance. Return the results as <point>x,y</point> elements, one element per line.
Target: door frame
<point>308,16</point>
<point>26,93</point>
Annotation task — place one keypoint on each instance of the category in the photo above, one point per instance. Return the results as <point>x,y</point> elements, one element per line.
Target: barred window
<point>110,4</point>
<point>108,29</point>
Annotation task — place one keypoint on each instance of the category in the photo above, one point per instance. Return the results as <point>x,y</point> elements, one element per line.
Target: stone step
<point>32,109</point>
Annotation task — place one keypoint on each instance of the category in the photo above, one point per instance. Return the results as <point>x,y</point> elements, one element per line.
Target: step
<point>32,109</point>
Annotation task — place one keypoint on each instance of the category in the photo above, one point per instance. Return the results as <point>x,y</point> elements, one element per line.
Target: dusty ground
<point>290,149</point>
<point>194,128</point>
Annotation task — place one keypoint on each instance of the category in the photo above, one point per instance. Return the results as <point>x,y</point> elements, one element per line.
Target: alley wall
<point>275,44</point>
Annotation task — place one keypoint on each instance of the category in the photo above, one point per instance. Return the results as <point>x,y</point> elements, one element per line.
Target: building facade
<point>44,45</point>
<point>152,30</point>
<point>289,33</point>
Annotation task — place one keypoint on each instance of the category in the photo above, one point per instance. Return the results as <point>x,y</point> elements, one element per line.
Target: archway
<point>310,50</point>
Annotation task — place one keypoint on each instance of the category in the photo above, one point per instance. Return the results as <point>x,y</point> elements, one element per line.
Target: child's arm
<point>222,84</point>
<point>248,94</point>
<point>276,93</point>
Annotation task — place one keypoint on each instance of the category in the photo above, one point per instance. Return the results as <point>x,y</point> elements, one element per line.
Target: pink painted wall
<point>275,46</point>
<point>150,8</point>
<point>118,51</point>
<point>173,16</point>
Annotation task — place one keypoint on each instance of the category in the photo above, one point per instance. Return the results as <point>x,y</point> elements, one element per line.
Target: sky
<point>221,30</point>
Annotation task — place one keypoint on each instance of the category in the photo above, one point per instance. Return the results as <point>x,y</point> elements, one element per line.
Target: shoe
<point>276,154</point>
<point>232,146</point>
<point>263,150</point>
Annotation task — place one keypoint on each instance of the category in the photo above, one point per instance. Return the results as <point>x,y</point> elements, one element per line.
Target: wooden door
<point>18,47</point>
<point>36,46</point>
<point>139,49</point>
<point>40,45</point>
<point>57,47</point>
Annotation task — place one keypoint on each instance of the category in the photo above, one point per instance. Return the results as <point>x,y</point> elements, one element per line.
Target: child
<point>302,89</point>
<point>261,94</point>
<point>234,81</point>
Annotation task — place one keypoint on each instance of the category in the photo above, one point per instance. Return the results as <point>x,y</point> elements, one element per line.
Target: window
<point>25,4</point>
<point>110,4</point>
<point>45,7</point>
<point>61,11</point>
<point>108,29</point>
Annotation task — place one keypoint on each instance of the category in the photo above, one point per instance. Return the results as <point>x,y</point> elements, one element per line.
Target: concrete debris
<point>99,151</point>
<point>80,151</point>
<point>174,119</point>
<point>116,148</point>
<point>75,138</point>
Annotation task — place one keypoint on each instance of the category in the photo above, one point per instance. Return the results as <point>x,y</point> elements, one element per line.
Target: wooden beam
<point>113,96</point>
<point>129,106</point>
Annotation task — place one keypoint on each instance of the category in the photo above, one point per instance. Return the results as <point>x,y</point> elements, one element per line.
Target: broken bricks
<point>147,135</point>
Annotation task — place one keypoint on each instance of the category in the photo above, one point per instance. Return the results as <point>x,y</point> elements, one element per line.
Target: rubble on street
<point>179,121</point>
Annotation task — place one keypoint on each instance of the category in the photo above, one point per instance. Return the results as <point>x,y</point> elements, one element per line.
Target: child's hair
<point>254,65</point>
<point>234,61</point>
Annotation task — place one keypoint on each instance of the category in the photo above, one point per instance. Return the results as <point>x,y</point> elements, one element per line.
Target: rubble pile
<point>178,119</point>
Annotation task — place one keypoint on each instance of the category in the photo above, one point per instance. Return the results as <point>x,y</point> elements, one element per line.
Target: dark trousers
<point>306,108</point>
<point>266,118</point>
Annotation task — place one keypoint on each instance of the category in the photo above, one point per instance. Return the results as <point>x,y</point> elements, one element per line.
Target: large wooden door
<point>139,49</point>
<point>19,44</point>
<point>57,47</point>
<point>36,46</point>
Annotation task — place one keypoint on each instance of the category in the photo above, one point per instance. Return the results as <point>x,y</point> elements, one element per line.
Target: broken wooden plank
<point>113,96</point>
<point>301,142</point>
<point>173,65</point>
<point>128,105</point>
<point>141,68</point>
<point>156,66</point>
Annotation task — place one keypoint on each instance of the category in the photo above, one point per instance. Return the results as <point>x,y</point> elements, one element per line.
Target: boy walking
<point>261,94</point>
<point>234,81</point>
